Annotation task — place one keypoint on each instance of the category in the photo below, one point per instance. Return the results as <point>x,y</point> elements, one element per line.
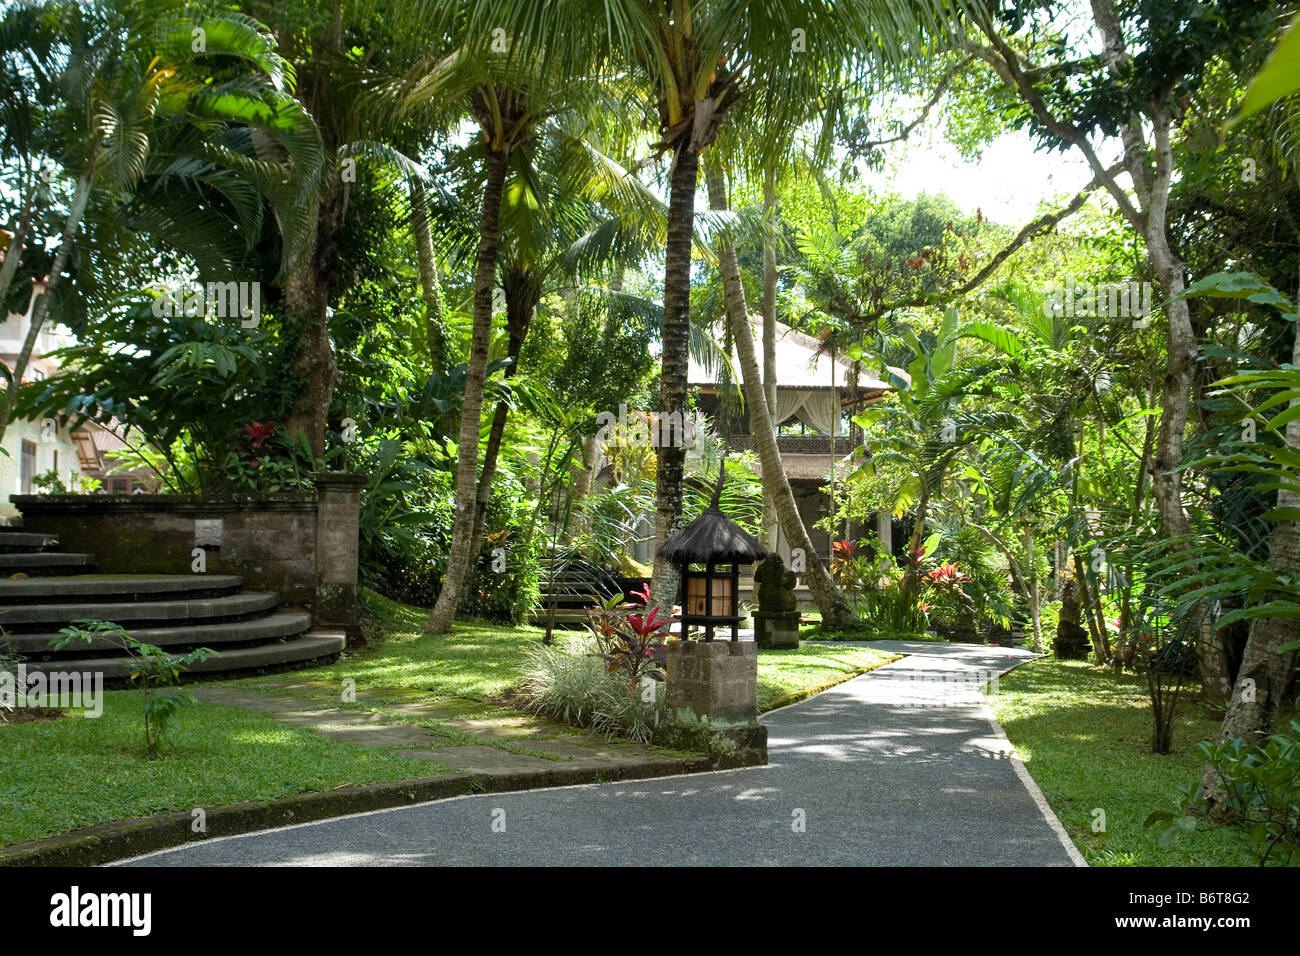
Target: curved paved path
<point>901,766</point>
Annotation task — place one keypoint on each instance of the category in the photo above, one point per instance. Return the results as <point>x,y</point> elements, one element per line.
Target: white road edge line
<point>1035,793</point>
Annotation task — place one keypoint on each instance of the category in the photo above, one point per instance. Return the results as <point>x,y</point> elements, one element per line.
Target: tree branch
<point>939,91</point>
<point>1006,64</point>
<point>1042,224</point>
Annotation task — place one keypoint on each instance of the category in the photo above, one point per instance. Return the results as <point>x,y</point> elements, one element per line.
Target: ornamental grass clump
<point>570,681</point>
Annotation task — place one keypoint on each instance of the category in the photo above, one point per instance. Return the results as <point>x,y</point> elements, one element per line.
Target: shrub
<point>1261,790</point>
<point>570,681</point>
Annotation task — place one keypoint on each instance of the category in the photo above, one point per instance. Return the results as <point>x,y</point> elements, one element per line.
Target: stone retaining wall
<point>302,546</point>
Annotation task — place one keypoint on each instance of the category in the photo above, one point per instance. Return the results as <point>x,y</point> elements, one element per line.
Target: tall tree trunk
<point>520,307</point>
<point>769,334</point>
<point>672,377</point>
<point>458,559</point>
<point>306,300</point>
<point>434,323</point>
<point>1031,589</point>
<point>834,608</point>
<point>41,308</point>
<point>14,253</point>
<point>769,290</point>
<point>1087,604</point>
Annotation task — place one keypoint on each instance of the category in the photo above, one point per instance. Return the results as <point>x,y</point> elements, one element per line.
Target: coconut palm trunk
<point>834,608</point>
<point>520,307</point>
<point>769,332</point>
<point>459,558</point>
<point>675,338</point>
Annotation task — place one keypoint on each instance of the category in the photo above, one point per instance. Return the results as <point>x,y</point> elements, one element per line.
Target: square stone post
<point>338,509</point>
<point>717,679</point>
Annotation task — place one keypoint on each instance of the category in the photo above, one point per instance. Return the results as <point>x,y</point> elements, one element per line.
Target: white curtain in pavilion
<point>818,409</point>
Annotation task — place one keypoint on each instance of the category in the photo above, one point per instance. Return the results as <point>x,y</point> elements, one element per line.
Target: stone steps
<point>269,628</point>
<point>311,646</point>
<point>112,588</point>
<point>11,541</point>
<point>174,611</point>
<point>44,560</point>
<point>231,607</point>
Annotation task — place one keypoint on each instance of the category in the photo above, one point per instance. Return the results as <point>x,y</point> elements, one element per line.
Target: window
<point>28,467</point>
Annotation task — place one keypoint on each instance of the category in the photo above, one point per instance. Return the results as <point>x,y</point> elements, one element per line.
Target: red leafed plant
<point>948,575</point>
<point>630,639</point>
<point>259,433</point>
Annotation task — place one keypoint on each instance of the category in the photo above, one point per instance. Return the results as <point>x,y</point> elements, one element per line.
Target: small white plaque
<point>208,532</point>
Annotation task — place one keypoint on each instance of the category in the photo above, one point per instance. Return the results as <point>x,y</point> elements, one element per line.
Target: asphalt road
<point>902,766</point>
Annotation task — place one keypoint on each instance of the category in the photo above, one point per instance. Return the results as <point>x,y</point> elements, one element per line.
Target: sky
<point>1008,183</point>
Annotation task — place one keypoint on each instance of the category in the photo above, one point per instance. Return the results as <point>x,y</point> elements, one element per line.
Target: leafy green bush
<point>1258,796</point>
<point>50,483</point>
<point>191,396</point>
<point>1261,790</point>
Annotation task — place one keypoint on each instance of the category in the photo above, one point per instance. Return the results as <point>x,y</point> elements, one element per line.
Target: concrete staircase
<point>45,590</point>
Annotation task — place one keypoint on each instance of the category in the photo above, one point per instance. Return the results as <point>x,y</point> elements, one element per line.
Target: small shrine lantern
<point>710,598</point>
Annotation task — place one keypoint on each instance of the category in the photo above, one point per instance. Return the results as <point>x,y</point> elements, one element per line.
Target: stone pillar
<point>885,531</point>
<point>338,509</point>
<point>776,629</point>
<point>717,679</point>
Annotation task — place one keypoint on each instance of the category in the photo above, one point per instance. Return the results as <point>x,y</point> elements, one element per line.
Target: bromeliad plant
<point>631,639</point>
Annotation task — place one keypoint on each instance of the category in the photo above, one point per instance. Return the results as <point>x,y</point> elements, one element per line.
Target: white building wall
<point>48,442</point>
<point>47,438</point>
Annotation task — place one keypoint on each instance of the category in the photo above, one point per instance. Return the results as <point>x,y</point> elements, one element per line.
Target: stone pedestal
<point>717,679</point>
<point>776,629</point>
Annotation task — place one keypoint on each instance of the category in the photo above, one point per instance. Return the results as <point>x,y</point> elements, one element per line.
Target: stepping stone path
<point>451,735</point>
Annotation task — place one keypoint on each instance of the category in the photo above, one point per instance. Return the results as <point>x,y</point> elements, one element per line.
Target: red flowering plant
<point>629,638</point>
<point>264,459</point>
<point>259,433</point>
<point>949,601</point>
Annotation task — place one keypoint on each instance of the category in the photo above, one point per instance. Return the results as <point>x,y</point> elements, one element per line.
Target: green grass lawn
<point>480,661</point>
<point>1085,736</point>
<point>69,773</point>
<point>790,675</point>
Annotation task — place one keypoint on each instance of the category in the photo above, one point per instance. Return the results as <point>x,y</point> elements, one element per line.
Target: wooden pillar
<point>686,608</point>
<point>708,601</point>
<point>735,601</point>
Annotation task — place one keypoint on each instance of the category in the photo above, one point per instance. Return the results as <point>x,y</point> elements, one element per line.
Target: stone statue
<point>1072,642</point>
<point>776,622</point>
<point>775,585</point>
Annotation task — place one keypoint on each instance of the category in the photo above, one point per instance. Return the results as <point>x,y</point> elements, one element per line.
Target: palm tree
<point>834,608</point>
<point>135,112</point>
<point>693,62</point>
<point>508,97</point>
